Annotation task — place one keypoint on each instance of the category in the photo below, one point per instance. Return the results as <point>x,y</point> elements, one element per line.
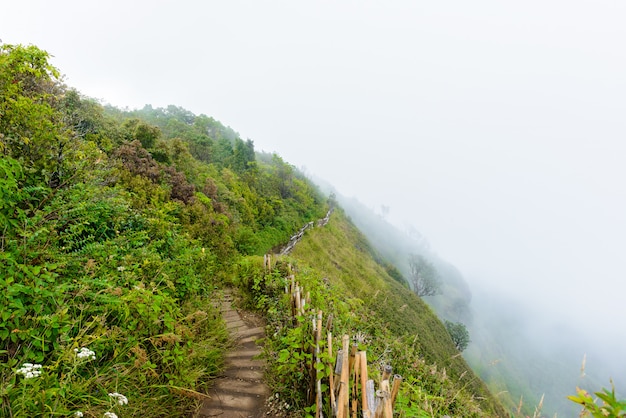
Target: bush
<point>611,406</point>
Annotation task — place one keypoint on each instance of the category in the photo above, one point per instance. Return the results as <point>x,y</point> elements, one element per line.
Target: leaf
<point>283,356</point>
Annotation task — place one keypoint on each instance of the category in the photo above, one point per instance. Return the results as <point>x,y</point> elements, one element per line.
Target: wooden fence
<point>298,235</point>
<point>350,391</point>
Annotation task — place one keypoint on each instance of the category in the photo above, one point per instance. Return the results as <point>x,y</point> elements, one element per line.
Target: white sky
<point>496,128</point>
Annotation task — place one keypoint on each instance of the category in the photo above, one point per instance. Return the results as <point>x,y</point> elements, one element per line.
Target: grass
<point>338,267</point>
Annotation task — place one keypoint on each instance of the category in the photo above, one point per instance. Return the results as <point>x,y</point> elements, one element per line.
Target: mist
<point>495,130</point>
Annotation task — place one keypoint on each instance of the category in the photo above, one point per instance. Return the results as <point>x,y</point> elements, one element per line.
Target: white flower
<point>78,414</point>
<point>121,399</point>
<point>29,370</point>
<point>84,352</point>
<point>110,415</point>
<point>121,268</point>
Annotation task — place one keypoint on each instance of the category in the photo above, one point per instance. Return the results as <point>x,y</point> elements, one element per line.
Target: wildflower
<point>121,399</point>
<point>110,415</point>
<point>78,414</point>
<point>84,352</point>
<point>29,370</point>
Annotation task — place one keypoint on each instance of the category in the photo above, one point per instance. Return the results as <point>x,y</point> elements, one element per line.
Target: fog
<point>495,129</point>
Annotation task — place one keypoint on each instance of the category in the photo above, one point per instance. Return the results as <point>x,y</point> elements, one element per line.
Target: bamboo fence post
<point>387,370</point>
<point>384,409</point>
<point>372,403</point>
<point>363,366</point>
<point>338,366</point>
<point>352,369</point>
<point>397,380</point>
<point>352,356</point>
<point>344,390</point>
<point>331,378</point>
<point>292,293</point>
<point>298,300</point>
<point>355,383</point>
<point>312,391</point>
<point>318,383</point>
<point>388,409</point>
<point>329,322</point>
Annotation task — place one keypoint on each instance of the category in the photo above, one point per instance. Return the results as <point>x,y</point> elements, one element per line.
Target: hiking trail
<point>240,392</point>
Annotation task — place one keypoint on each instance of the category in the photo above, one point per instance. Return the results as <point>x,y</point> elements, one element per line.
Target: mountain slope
<point>338,265</point>
<point>119,228</point>
<point>115,236</point>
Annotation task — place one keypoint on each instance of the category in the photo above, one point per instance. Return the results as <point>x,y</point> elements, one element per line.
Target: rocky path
<point>240,392</point>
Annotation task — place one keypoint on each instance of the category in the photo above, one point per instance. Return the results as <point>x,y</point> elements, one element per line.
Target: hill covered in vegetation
<point>119,228</point>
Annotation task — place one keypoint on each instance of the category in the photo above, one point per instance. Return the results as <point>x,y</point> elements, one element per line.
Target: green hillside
<point>400,329</point>
<point>119,228</point>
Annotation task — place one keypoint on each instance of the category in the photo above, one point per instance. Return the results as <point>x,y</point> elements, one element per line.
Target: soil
<point>241,391</point>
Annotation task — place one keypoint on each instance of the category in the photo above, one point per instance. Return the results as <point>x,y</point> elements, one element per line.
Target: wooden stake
<point>397,380</point>
<point>387,370</point>
<point>355,383</point>
<point>338,366</point>
<point>331,378</point>
<point>387,410</point>
<point>344,389</point>
<point>298,300</point>
<point>318,385</point>
<point>363,366</point>
<point>352,357</point>
<point>371,398</point>
<point>384,409</point>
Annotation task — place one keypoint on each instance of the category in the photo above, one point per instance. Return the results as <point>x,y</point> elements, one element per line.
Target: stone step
<point>235,324</point>
<point>258,332</point>
<point>240,392</point>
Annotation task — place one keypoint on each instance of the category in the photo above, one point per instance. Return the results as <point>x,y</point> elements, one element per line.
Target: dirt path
<point>240,392</point>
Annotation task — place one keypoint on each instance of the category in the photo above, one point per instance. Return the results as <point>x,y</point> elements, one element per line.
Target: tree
<point>143,132</point>
<point>243,155</point>
<point>459,334</point>
<point>424,277</point>
<point>31,128</point>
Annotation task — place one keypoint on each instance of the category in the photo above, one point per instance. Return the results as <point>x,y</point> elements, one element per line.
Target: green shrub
<point>611,406</point>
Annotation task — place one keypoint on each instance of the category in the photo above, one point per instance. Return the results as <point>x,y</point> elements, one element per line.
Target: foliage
<point>31,128</point>
<point>611,406</point>
<point>118,228</point>
<point>459,334</point>
<point>115,233</point>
